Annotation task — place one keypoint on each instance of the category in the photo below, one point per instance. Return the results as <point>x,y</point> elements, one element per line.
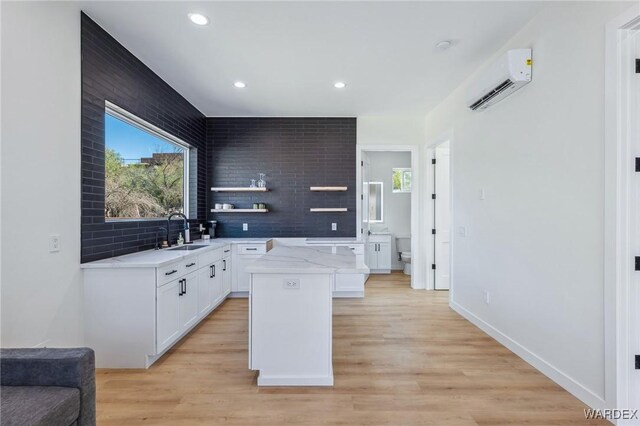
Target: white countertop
<point>158,258</point>
<point>329,240</point>
<point>307,260</point>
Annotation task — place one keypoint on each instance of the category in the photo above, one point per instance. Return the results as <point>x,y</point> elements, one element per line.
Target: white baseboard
<point>570,385</point>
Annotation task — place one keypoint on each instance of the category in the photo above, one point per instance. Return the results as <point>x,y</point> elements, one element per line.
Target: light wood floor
<point>400,357</point>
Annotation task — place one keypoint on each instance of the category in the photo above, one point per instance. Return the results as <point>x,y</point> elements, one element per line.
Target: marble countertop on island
<point>307,260</point>
<point>158,258</point>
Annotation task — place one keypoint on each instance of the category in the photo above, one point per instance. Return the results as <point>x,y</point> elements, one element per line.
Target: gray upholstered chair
<point>47,387</point>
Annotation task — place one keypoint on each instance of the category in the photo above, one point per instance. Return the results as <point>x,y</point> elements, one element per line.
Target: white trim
<point>137,122</point>
<point>417,260</point>
<point>572,386</point>
<point>617,256</point>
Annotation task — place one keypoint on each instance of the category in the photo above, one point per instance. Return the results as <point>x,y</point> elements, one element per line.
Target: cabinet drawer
<point>209,257</point>
<point>355,248</point>
<point>190,264</point>
<point>252,249</point>
<point>169,272</point>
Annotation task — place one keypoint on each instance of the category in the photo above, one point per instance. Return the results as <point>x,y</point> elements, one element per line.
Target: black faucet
<point>186,227</point>
<point>160,228</point>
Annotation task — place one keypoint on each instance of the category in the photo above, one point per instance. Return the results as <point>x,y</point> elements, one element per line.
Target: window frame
<point>143,125</point>
<point>402,171</point>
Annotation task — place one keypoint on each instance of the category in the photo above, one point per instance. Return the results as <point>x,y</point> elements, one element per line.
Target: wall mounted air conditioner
<point>500,79</point>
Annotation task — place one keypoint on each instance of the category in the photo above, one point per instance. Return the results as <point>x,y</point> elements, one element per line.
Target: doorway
<point>388,210</point>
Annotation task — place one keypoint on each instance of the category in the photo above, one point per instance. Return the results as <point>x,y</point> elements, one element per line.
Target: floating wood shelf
<point>238,189</point>
<point>330,209</point>
<point>329,188</point>
<point>239,210</point>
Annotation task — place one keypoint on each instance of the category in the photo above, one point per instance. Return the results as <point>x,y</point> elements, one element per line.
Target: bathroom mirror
<point>375,201</point>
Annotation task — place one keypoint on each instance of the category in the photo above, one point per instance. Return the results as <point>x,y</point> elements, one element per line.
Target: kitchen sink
<point>187,247</point>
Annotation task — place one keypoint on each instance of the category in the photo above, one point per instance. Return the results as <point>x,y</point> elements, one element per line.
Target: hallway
<point>401,356</point>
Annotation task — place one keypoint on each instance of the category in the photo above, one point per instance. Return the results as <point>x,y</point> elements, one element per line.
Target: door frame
<point>430,148</point>
<point>417,263</point>
<point>618,252</point>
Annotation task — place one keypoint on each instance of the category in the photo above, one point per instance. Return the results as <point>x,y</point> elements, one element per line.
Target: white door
<point>205,291</point>
<point>442,218</point>
<point>364,204</point>
<point>189,301</point>
<point>168,314</point>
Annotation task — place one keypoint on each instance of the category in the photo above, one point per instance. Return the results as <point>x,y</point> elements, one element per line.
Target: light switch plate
<point>291,284</point>
<point>334,226</point>
<point>245,226</point>
<point>54,243</point>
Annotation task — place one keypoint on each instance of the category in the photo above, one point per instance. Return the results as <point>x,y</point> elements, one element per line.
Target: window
<point>401,180</point>
<point>146,169</point>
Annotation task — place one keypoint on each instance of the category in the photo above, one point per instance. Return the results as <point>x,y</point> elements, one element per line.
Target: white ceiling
<point>290,53</point>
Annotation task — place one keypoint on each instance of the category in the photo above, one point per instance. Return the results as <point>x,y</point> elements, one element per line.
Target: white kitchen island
<point>290,309</point>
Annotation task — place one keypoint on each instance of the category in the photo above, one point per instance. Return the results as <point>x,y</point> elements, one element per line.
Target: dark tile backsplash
<point>295,154</point>
<point>111,73</point>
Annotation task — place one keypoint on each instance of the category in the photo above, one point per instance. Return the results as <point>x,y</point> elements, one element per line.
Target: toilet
<point>403,247</point>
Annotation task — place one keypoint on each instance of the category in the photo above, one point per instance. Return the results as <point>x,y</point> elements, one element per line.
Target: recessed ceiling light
<point>443,45</point>
<point>339,85</point>
<point>239,85</point>
<point>198,19</point>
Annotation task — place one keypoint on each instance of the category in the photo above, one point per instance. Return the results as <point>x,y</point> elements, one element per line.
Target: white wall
<point>396,206</point>
<point>536,241</point>
<point>41,291</point>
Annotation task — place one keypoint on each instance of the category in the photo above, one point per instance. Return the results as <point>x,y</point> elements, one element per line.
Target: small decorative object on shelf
<point>262,206</point>
<point>253,183</point>
<point>261,182</point>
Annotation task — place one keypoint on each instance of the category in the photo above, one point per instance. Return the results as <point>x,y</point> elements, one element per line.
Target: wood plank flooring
<point>401,357</point>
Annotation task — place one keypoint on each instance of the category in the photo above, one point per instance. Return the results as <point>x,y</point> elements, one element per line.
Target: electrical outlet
<point>54,243</point>
<point>245,226</point>
<point>291,283</point>
<point>334,226</point>
<point>485,294</point>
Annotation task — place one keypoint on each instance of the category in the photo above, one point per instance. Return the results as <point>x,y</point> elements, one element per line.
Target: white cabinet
<point>134,314</point>
<point>168,314</point>
<point>379,254</point>
<point>188,298</point>
<point>206,289</point>
<point>226,272</point>
<point>243,254</point>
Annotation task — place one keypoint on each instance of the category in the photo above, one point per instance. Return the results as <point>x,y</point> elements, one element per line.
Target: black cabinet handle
<point>214,270</point>
<point>251,249</point>
<point>171,272</point>
<point>224,262</point>
<point>181,293</point>
<point>185,286</point>
<point>191,264</point>
<point>227,251</point>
